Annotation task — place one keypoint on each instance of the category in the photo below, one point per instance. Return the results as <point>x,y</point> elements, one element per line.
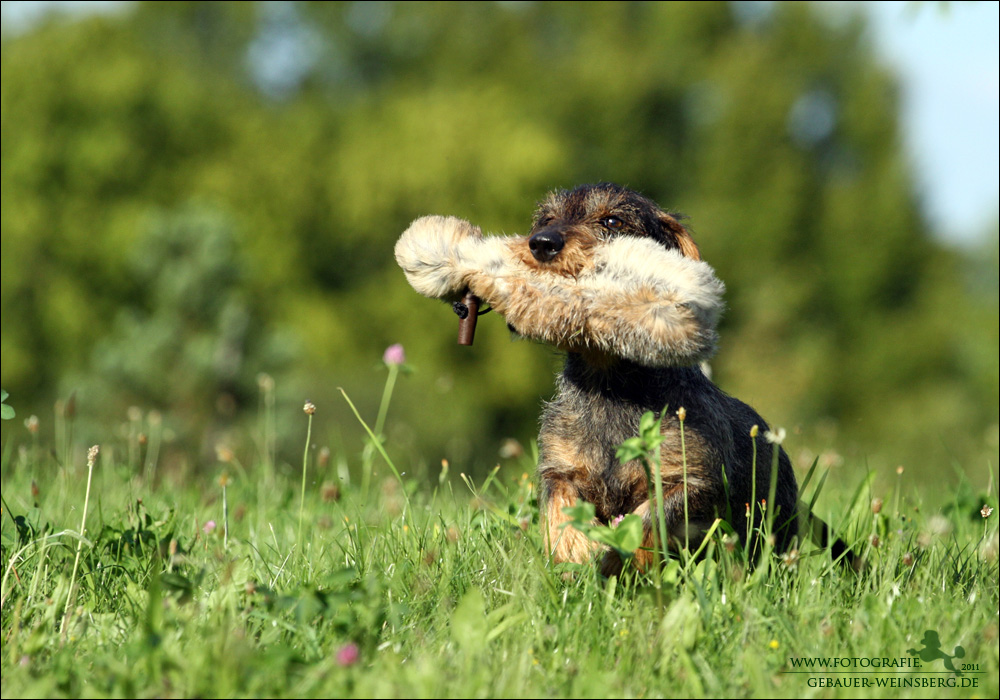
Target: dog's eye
<point>611,222</point>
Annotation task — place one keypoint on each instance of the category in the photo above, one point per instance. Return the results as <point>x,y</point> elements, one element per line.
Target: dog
<point>618,284</point>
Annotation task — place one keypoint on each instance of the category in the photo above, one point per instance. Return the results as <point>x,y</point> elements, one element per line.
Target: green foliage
<point>7,411</point>
<point>624,536</point>
<point>645,447</point>
<point>775,130</point>
<point>197,339</point>
<point>647,443</point>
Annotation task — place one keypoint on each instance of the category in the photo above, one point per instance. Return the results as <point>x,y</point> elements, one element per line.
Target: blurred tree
<point>95,132</point>
<point>319,130</point>
<point>197,342</point>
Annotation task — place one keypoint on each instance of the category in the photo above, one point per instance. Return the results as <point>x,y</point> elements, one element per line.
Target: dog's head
<point>569,223</point>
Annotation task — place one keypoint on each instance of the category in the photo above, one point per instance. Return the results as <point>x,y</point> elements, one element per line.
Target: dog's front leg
<point>611,562</point>
<point>681,532</point>
<point>563,542</point>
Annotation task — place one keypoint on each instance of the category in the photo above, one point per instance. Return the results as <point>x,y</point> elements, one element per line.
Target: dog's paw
<point>610,564</point>
<point>438,253</point>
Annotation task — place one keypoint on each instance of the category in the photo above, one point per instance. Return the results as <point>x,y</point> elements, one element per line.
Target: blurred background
<point>200,202</point>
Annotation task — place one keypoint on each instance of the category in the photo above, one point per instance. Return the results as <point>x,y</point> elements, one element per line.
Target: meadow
<point>346,578</point>
<point>215,190</point>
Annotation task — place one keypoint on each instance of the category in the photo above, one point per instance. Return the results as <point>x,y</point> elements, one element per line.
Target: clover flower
<point>394,355</point>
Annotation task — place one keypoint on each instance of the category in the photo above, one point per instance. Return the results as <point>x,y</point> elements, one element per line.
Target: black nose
<point>546,244</point>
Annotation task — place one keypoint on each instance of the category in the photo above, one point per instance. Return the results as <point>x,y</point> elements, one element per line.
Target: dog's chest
<point>581,433</point>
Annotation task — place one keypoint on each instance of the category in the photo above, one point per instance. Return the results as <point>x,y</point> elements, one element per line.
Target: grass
<point>439,588</point>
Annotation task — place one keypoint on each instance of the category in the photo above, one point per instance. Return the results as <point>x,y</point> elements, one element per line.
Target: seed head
<point>265,382</point>
<point>753,431</point>
<point>309,408</point>
<point>92,456</point>
<point>775,437</point>
<point>681,414</point>
<point>330,492</point>
<point>876,505</point>
<point>986,511</point>
<point>790,559</point>
<point>510,448</point>
<point>939,526</point>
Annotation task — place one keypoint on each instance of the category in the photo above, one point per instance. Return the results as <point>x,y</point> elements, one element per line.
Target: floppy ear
<point>680,234</point>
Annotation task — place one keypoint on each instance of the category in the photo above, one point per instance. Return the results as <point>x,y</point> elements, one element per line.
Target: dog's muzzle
<point>546,244</point>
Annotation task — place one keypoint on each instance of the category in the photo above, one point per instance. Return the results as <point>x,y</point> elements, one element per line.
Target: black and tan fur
<point>618,284</point>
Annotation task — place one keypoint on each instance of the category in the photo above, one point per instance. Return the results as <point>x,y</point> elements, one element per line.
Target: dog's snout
<point>546,244</point>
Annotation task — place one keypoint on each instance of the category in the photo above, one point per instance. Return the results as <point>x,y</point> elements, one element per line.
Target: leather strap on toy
<point>468,313</point>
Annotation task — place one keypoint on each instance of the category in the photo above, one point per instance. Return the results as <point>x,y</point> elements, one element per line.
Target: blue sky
<point>946,55</point>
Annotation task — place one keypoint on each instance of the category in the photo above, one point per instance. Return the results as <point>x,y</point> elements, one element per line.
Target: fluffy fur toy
<point>631,298</point>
